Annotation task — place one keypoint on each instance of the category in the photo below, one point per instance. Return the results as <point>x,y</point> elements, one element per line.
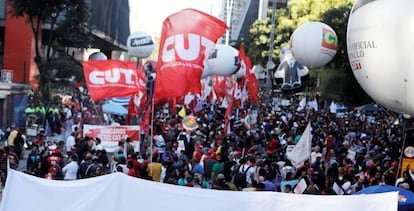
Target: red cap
<point>52,169</point>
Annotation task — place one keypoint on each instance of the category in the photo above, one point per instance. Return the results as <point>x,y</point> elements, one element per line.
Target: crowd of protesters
<point>350,151</point>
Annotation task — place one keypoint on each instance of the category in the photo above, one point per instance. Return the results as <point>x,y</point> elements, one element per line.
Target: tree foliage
<point>337,80</point>
<point>69,24</point>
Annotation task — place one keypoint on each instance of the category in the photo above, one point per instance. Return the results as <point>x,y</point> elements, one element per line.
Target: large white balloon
<point>223,60</point>
<point>97,56</point>
<point>242,71</point>
<point>140,44</point>
<point>206,73</point>
<point>380,51</point>
<point>314,44</point>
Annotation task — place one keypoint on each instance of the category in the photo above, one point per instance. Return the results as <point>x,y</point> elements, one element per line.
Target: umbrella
<point>405,198</point>
<point>369,108</point>
<point>113,108</point>
<point>120,100</point>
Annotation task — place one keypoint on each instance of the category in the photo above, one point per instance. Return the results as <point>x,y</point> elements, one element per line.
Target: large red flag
<point>187,39</point>
<point>250,76</point>
<point>220,87</point>
<point>111,78</point>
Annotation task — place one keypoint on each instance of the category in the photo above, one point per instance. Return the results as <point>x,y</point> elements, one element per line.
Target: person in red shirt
<point>14,159</point>
<point>274,143</point>
<point>135,164</point>
<point>55,158</point>
<point>197,152</point>
<point>131,170</point>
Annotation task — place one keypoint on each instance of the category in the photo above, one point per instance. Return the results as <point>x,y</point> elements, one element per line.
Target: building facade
<point>17,52</point>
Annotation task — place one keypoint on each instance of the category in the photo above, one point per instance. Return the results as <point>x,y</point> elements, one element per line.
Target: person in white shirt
<point>70,170</point>
<point>316,153</point>
<point>70,141</point>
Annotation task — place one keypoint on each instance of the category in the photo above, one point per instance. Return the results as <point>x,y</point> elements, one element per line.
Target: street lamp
<point>270,64</point>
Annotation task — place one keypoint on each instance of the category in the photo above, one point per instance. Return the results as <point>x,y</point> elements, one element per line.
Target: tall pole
<point>270,64</point>
<point>229,10</point>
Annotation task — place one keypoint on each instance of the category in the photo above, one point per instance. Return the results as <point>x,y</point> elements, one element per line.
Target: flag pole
<point>151,135</point>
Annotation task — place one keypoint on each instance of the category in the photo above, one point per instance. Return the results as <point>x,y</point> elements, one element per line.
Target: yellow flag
<point>182,112</point>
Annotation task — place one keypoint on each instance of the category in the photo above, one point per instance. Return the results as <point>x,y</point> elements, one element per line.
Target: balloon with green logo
<point>314,44</point>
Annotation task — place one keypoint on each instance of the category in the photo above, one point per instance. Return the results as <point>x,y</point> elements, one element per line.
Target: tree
<point>340,83</point>
<point>69,25</point>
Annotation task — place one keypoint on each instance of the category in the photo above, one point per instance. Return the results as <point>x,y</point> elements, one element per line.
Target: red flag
<point>145,121</point>
<point>110,78</point>
<point>131,111</point>
<point>187,39</point>
<point>250,76</point>
<point>220,87</point>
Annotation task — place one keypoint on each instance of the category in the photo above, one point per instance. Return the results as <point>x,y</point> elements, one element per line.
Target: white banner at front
<point>118,191</point>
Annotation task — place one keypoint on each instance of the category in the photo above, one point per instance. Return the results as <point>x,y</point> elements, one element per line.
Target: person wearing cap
<point>55,158</point>
<point>51,175</point>
<point>8,154</point>
<point>136,165</point>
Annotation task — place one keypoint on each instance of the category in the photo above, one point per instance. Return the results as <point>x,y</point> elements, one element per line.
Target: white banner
<point>111,135</point>
<point>103,193</point>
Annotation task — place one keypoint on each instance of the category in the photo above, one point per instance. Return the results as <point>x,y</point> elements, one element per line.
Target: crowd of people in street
<point>349,152</point>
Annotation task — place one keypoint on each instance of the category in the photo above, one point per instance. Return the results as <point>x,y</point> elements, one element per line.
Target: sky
<point>148,15</point>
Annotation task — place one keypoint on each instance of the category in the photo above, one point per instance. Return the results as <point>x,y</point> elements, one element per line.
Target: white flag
<point>302,104</point>
<point>313,104</point>
<point>303,148</point>
<point>332,107</point>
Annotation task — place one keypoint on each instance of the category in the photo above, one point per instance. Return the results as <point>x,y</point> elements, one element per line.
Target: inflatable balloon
<point>241,72</point>
<point>380,51</point>
<point>97,56</point>
<point>206,72</point>
<point>140,44</point>
<point>314,44</point>
<point>223,60</point>
<point>289,72</point>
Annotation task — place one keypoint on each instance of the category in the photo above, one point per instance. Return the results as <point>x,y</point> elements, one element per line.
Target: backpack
<point>240,177</point>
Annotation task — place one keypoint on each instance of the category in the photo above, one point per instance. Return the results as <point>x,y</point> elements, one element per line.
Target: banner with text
<point>111,135</point>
